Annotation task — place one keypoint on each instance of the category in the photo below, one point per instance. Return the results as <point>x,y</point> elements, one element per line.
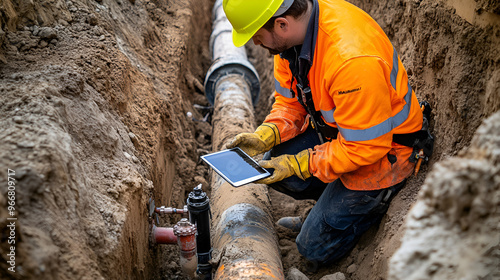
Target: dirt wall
<point>453,230</point>
<point>94,96</point>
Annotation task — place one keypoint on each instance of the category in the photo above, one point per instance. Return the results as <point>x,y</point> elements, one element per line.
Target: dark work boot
<point>292,223</point>
<point>312,266</point>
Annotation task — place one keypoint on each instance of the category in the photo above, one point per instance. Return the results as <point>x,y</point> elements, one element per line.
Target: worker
<point>342,99</point>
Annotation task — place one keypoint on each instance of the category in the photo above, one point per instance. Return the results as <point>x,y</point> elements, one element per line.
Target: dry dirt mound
<point>453,230</point>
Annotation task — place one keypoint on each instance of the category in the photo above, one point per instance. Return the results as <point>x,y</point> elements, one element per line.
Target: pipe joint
<point>227,58</point>
<point>186,238</point>
<point>232,65</point>
<point>170,210</point>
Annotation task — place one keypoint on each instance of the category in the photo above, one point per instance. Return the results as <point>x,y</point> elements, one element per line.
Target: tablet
<point>235,166</point>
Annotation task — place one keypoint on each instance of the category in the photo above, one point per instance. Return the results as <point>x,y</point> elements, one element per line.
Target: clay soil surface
<point>94,96</point>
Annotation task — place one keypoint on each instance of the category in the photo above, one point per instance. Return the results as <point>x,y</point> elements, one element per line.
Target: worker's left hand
<point>285,166</point>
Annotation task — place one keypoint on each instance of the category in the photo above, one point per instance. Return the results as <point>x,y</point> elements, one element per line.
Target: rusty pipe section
<point>243,237</point>
<point>184,235</point>
<point>163,235</point>
<point>186,239</point>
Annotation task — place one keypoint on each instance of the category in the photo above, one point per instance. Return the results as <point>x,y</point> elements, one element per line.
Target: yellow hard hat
<point>247,17</point>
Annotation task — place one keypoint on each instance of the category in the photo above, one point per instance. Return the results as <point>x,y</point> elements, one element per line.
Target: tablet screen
<point>236,166</point>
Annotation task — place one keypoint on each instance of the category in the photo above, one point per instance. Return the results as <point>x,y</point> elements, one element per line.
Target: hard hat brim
<point>240,39</point>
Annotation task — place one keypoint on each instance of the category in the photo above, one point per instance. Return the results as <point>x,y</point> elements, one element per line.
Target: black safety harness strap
<point>304,96</point>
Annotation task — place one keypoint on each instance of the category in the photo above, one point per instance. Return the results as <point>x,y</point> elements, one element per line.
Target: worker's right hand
<point>262,140</point>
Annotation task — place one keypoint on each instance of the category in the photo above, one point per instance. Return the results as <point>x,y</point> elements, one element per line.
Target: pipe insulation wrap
<point>241,227</point>
<point>243,237</point>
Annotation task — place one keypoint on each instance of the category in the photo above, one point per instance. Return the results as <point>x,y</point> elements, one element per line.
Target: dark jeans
<point>340,216</point>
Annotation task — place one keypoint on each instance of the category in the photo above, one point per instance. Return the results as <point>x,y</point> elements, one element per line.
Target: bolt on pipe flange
<point>184,228</point>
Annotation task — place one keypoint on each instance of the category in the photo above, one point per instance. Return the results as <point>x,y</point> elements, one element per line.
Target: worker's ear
<point>281,24</point>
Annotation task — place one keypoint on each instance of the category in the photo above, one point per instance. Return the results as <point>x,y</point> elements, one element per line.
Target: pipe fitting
<point>170,210</point>
<point>163,235</point>
<point>227,58</point>
<point>186,239</point>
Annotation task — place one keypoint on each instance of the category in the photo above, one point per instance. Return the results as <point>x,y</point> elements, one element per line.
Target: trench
<point>94,120</point>
<point>371,255</point>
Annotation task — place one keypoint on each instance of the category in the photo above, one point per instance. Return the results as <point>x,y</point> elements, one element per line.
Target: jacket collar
<point>306,50</point>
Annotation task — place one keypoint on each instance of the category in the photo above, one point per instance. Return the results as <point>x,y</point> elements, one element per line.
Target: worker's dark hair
<point>298,8</point>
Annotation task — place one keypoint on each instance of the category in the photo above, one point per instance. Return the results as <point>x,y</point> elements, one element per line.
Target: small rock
<point>133,138</point>
<point>36,29</point>
<point>63,22</point>
<point>18,119</point>
<point>42,44</point>
<point>47,33</point>
<point>127,155</point>
<point>53,41</point>
<point>26,144</point>
<point>335,276</point>
<point>352,268</point>
<point>102,38</point>
<point>58,103</point>
<point>114,193</point>
<point>295,274</point>
<point>92,19</point>
<point>135,159</point>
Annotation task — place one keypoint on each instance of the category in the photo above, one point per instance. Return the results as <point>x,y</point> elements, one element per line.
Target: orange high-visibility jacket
<point>360,86</point>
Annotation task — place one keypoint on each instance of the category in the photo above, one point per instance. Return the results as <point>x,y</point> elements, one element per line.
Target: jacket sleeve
<point>287,113</point>
<point>362,97</point>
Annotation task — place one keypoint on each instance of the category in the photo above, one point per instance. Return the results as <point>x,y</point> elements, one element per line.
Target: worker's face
<point>271,41</point>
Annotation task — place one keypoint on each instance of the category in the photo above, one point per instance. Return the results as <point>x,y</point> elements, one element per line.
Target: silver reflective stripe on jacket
<point>281,90</point>
<point>390,123</point>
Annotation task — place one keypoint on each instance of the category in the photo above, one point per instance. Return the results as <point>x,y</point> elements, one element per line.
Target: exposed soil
<point>94,97</point>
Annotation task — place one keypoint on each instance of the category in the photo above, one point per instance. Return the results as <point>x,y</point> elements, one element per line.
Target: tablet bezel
<point>240,152</point>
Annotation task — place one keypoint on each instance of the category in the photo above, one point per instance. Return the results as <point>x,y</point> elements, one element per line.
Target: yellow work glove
<point>285,166</point>
<point>262,140</point>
